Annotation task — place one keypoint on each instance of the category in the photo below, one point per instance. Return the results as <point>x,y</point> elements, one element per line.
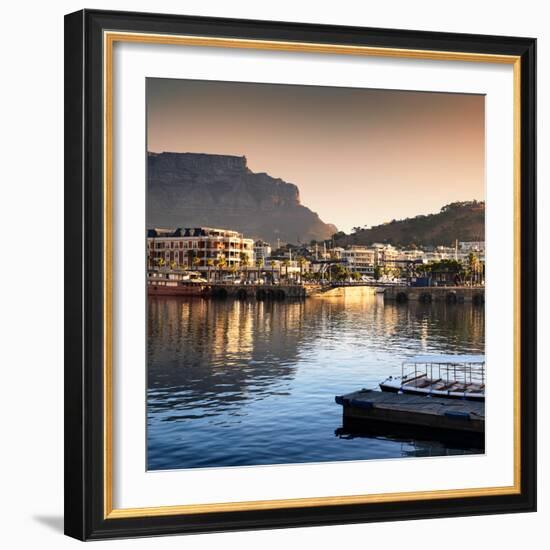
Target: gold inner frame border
<point>109,39</point>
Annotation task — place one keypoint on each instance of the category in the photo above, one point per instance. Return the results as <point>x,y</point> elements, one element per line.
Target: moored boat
<point>455,376</point>
<point>171,283</point>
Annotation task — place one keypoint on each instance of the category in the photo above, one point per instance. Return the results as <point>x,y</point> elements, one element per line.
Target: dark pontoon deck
<point>442,414</point>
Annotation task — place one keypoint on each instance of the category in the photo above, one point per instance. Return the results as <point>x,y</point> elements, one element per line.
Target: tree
<point>448,267</point>
<point>301,262</point>
<point>377,272</point>
<point>275,264</point>
<point>339,273</point>
<point>473,267</point>
<point>191,255</point>
<point>243,257</point>
<point>338,235</point>
<point>209,264</point>
<point>221,263</point>
<point>259,265</point>
<point>286,263</point>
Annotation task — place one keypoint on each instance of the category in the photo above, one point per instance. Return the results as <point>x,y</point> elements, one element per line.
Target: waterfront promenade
<point>399,293</point>
<point>428,294</point>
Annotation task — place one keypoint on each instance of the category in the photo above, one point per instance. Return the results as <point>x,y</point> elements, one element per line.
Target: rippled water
<point>235,383</point>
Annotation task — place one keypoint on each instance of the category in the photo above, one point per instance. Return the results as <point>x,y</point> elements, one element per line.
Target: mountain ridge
<point>202,189</point>
<point>462,221</point>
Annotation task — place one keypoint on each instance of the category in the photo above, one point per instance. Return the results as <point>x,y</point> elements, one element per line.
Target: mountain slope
<point>463,221</point>
<point>192,189</point>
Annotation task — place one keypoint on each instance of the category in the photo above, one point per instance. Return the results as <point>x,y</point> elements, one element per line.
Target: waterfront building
<point>336,253</point>
<point>414,255</point>
<point>440,253</point>
<point>282,267</point>
<point>472,246</point>
<point>199,248</point>
<point>262,250</point>
<point>360,259</point>
<point>477,248</point>
<point>304,251</point>
<point>385,255</point>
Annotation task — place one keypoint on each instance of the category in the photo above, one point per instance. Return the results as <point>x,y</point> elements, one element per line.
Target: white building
<point>477,248</point>
<point>385,254</point>
<point>413,255</point>
<point>440,253</point>
<point>472,246</point>
<point>199,248</point>
<point>360,259</point>
<point>262,250</point>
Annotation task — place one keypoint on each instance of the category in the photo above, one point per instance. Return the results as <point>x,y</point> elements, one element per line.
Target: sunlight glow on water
<point>235,383</point>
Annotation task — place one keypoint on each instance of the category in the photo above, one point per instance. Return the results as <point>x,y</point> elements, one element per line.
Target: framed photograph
<point>300,274</point>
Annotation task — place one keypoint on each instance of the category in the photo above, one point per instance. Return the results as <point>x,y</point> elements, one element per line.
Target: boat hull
<point>176,290</point>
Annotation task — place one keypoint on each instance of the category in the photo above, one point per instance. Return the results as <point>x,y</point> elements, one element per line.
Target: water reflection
<point>415,441</point>
<point>239,383</point>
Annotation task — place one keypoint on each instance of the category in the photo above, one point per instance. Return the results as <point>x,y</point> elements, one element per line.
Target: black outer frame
<point>84,517</point>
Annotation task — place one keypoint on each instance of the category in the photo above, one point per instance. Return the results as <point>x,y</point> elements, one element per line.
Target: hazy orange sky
<point>359,157</point>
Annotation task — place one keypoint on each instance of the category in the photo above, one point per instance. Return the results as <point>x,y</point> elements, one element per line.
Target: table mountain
<point>195,189</point>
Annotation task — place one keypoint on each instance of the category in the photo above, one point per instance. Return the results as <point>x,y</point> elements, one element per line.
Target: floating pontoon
<point>455,376</point>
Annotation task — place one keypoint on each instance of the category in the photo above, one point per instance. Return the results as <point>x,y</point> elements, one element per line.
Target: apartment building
<point>198,247</point>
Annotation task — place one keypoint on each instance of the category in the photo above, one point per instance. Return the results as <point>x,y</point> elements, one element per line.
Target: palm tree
<point>209,263</point>
<point>286,263</point>
<point>243,257</point>
<point>191,255</point>
<point>259,265</point>
<point>301,263</point>
<point>274,264</point>
<point>221,263</point>
<point>473,264</point>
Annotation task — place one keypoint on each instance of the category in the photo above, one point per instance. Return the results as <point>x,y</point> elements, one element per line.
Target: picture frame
<point>90,157</point>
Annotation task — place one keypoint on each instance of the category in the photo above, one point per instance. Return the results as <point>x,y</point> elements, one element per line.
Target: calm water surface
<point>242,383</point>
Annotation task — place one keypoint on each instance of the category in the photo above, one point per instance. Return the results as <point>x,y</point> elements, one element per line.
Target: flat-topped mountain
<point>195,189</point>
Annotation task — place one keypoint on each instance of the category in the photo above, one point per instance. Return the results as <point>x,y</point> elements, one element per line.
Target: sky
<point>359,157</point>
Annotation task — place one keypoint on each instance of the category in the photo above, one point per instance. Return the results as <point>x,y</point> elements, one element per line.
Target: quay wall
<point>331,291</point>
<point>258,292</point>
<point>450,295</point>
<point>240,292</point>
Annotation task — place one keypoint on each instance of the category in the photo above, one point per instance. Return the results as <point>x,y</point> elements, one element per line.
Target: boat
<point>174,283</point>
<point>454,376</point>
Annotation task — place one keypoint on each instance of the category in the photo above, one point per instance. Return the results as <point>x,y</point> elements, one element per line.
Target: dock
<point>436,414</point>
<point>168,287</point>
<point>429,294</point>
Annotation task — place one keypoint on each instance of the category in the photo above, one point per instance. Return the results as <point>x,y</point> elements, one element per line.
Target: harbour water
<point>237,383</point>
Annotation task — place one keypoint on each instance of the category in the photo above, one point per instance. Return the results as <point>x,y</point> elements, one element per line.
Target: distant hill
<point>193,189</point>
<point>464,221</point>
